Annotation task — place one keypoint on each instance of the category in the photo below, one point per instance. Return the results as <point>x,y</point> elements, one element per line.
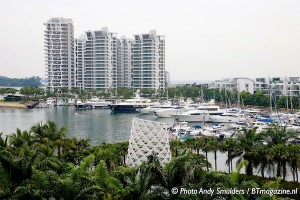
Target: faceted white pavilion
<point>148,137</point>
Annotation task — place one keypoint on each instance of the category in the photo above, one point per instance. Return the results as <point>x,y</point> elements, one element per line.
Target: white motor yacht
<point>200,114</point>
<point>227,117</point>
<point>154,108</point>
<point>171,112</point>
<point>71,102</point>
<point>79,105</point>
<point>132,105</point>
<point>60,102</point>
<point>98,103</point>
<point>50,102</point>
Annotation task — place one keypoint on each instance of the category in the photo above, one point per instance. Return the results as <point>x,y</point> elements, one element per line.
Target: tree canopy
<point>33,81</point>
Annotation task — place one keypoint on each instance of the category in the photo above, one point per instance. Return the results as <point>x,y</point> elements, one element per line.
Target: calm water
<point>96,125</point>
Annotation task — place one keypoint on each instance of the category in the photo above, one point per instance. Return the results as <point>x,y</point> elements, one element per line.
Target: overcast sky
<point>205,39</point>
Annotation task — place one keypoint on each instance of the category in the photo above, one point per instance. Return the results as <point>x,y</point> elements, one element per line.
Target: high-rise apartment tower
<point>149,61</point>
<point>100,60</point>
<point>79,61</point>
<point>59,50</point>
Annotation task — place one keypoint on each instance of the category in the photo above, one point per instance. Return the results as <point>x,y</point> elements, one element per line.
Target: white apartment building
<point>279,85</point>
<point>100,60</point>
<point>59,53</point>
<point>79,50</point>
<point>124,62</point>
<point>235,84</point>
<point>289,86</point>
<point>168,78</point>
<point>149,61</point>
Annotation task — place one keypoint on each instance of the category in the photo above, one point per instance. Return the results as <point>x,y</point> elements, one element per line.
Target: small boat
<point>71,102</point>
<point>60,102</point>
<point>50,102</point>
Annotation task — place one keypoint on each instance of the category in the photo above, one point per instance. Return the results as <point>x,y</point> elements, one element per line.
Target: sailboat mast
<point>225,96</point>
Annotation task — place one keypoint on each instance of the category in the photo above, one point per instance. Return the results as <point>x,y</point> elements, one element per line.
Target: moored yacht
<point>98,103</point>
<point>60,102</point>
<point>50,102</point>
<point>162,104</point>
<point>170,112</point>
<point>227,117</point>
<point>200,114</point>
<point>132,105</point>
<point>79,105</point>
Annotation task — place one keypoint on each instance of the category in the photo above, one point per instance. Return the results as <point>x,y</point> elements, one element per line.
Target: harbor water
<point>97,125</point>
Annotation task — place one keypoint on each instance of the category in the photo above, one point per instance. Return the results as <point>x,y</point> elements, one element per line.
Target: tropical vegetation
<point>42,163</point>
<point>20,82</point>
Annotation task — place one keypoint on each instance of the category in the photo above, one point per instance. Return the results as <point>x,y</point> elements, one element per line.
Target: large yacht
<point>98,103</point>
<point>174,111</point>
<point>200,114</point>
<point>79,105</point>
<point>228,117</point>
<point>153,109</point>
<point>132,105</point>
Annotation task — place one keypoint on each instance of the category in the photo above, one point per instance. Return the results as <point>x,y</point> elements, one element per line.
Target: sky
<point>205,39</point>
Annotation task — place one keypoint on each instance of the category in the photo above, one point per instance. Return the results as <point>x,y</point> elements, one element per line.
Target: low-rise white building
<point>235,84</point>
<point>276,85</point>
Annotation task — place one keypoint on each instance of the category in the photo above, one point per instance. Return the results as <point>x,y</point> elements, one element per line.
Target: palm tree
<point>247,140</point>
<point>46,160</point>
<point>151,176</point>
<point>230,146</point>
<point>281,156</point>
<point>41,185</point>
<point>182,169</point>
<point>49,134</point>
<point>78,150</point>
<point>176,146</point>
<point>205,146</point>
<point>109,154</point>
<point>265,157</point>
<point>215,146</point>
<point>277,135</point>
<point>19,138</point>
<point>3,141</point>
<point>294,160</point>
<point>39,132</point>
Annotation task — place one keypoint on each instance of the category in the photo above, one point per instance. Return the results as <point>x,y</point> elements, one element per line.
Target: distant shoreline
<point>12,104</point>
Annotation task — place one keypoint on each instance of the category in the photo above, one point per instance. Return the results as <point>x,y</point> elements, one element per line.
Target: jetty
<point>31,104</point>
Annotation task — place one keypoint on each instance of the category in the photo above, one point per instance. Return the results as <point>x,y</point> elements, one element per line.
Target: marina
<point>103,125</point>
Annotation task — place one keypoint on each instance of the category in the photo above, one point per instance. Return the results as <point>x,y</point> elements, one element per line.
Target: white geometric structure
<point>148,137</point>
